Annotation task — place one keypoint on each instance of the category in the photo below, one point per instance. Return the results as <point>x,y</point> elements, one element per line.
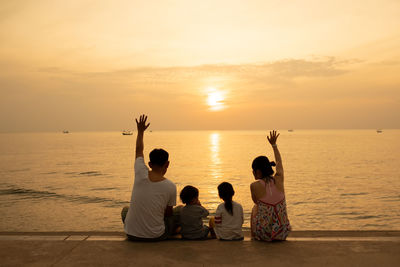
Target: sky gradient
<point>95,65</point>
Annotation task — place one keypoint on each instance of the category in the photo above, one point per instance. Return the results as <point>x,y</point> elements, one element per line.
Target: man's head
<point>159,160</point>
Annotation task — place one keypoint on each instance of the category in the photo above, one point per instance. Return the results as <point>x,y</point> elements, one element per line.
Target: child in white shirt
<point>229,215</point>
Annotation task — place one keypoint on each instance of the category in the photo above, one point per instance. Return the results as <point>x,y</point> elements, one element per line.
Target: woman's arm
<point>273,136</point>
<point>253,193</point>
<point>278,160</point>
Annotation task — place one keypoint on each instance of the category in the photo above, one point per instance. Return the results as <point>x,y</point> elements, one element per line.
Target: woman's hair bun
<point>263,164</point>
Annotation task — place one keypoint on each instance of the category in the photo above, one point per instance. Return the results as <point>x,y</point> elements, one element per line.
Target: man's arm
<point>169,211</point>
<point>141,127</point>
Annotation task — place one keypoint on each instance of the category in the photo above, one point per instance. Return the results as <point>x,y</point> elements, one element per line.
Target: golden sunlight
<point>215,99</point>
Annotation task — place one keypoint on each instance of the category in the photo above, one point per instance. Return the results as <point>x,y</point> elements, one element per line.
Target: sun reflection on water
<point>215,165</point>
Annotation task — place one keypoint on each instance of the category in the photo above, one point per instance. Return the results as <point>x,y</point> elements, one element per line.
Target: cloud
<point>11,8</point>
<point>387,63</point>
<point>283,69</point>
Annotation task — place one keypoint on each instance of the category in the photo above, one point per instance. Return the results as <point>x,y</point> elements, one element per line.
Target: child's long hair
<point>226,192</point>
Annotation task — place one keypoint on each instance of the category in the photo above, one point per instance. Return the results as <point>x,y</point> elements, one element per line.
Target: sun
<point>215,99</point>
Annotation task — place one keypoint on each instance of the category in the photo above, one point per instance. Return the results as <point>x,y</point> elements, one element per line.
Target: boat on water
<point>124,132</point>
<point>379,131</point>
<point>65,131</point>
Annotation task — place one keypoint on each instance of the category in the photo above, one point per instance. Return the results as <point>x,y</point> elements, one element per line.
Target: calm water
<point>335,179</point>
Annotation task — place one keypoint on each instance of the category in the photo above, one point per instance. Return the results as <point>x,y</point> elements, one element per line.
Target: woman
<point>269,220</point>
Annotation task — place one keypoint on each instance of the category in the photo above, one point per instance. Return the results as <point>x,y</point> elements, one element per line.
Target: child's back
<point>191,217</point>
<point>229,226</point>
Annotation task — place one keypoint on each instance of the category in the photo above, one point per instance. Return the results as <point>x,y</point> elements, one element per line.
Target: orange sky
<point>94,65</point>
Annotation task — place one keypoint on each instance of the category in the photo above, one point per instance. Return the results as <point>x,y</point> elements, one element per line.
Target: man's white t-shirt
<point>149,200</point>
<point>227,226</point>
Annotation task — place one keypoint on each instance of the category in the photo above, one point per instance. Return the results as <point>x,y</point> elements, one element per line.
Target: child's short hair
<point>189,193</point>
<point>158,156</point>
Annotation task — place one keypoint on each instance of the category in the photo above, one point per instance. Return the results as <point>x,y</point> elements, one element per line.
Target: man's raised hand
<point>272,137</point>
<point>141,124</point>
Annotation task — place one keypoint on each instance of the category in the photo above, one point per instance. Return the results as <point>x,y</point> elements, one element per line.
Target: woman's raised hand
<point>141,124</point>
<point>273,136</point>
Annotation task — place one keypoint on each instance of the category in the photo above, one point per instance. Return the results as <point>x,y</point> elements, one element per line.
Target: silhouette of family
<point>151,215</point>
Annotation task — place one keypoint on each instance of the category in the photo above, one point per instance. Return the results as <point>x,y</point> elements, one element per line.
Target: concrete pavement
<point>303,248</point>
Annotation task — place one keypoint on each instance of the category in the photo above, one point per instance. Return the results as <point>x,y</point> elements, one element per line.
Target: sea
<point>334,179</point>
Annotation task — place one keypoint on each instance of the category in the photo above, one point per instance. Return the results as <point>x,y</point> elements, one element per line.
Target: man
<point>149,217</point>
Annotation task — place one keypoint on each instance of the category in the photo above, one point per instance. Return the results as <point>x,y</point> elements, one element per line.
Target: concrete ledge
<point>303,236</point>
<point>293,234</point>
<point>310,233</point>
<point>303,248</point>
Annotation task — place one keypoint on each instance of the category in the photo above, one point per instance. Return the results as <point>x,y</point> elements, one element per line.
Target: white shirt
<point>149,200</point>
<point>227,226</point>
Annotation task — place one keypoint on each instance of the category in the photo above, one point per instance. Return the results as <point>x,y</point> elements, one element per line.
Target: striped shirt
<point>229,226</point>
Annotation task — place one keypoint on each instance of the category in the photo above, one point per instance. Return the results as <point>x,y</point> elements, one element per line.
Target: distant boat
<point>379,131</point>
<point>65,131</point>
<point>127,132</point>
<point>290,130</point>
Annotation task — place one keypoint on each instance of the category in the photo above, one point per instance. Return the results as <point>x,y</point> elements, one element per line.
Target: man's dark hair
<point>158,156</point>
<point>189,193</point>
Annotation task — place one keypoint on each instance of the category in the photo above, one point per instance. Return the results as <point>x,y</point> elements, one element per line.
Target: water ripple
<point>354,194</point>
<point>86,173</point>
<point>103,188</point>
<point>19,170</point>
<point>24,193</point>
<point>364,217</point>
<point>91,173</point>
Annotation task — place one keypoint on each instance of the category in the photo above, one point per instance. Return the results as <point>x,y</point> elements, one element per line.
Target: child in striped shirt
<point>229,215</point>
